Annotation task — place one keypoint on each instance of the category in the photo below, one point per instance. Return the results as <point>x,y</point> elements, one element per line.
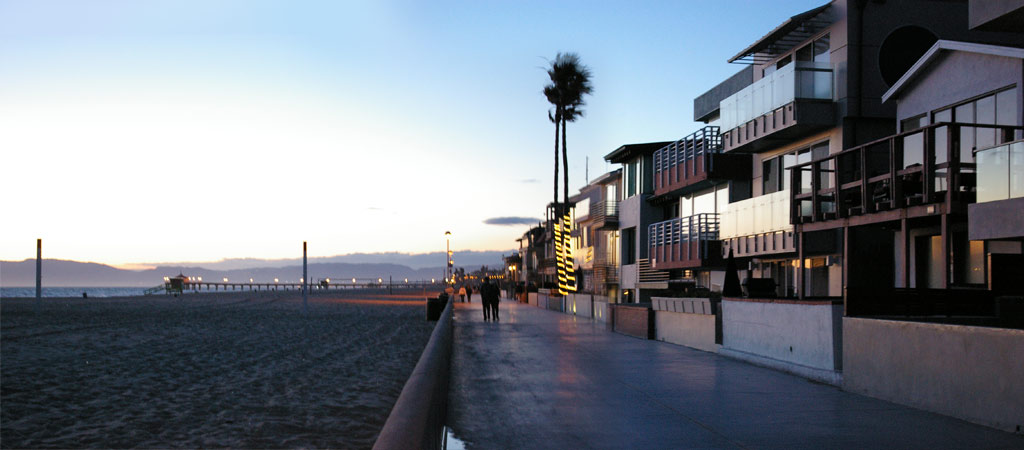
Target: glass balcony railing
<point>801,80</point>
<point>763,214</point>
<point>1001,172</point>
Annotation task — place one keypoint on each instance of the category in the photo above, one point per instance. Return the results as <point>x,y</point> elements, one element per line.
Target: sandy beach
<point>244,370</point>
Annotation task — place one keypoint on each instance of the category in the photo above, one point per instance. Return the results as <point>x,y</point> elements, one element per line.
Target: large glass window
<point>776,171</point>
<point>1006,107</point>
<point>997,109</point>
<point>821,49</point>
<point>629,179</point>
<point>771,175</point>
<point>629,246</point>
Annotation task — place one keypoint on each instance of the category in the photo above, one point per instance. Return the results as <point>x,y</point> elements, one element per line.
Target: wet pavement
<point>542,379</point>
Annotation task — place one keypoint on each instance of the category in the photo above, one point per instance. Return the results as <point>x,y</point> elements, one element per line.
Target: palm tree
<point>570,81</point>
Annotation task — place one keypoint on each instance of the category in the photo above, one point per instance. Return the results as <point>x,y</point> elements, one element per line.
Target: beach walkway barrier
<point>417,420</point>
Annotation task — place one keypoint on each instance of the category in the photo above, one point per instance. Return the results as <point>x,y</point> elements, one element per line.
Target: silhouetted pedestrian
<point>462,293</point>
<point>489,297</point>
<point>469,293</point>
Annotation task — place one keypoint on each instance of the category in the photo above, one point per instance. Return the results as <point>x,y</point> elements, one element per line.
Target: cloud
<point>529,180</point>
<point>511,221</point>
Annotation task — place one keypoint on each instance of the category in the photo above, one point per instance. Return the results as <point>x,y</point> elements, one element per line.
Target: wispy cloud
<point>511,221</point>
<point>529,180</point>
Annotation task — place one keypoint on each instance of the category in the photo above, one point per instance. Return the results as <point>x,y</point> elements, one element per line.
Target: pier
<point>182,284</point>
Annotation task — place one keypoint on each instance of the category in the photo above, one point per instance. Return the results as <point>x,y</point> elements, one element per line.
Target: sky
<point>162,131</point>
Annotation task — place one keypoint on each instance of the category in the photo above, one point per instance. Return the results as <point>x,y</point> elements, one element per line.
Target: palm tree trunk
<point>557,120</point>
<point>565,170</point>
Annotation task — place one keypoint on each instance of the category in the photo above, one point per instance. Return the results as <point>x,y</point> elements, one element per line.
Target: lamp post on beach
<point>448,256</point>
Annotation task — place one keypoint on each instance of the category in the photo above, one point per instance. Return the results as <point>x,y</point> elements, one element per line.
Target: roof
<point>942,46</point>
<point>793,31</point>
<point>630,151</point>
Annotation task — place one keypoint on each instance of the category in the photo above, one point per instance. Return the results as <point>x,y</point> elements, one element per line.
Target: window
<point>629,179</point>
<point>817,51</point>
<point>913,123</point>
<point>999,108</point>
<point>776,176</point>
<point>821,49</point>
<point>784,61</point>
<point>629,246</point>
<point>771,175</point>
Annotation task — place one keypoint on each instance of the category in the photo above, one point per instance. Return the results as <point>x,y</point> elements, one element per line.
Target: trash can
<point>435,306</point>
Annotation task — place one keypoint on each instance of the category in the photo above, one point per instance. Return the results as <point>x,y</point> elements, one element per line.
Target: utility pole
<point>305,280</point>
<point>39,269</point>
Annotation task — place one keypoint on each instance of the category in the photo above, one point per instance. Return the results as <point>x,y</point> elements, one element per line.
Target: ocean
<point>11,292</point>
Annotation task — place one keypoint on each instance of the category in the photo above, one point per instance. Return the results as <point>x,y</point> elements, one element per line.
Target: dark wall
<point>870,262</point>
<point>707,103</point>
<point>861,63</point>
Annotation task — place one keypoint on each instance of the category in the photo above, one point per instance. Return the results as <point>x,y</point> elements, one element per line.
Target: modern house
<point>936,215</point>
<point>595,235</point>
<point>637,279</point>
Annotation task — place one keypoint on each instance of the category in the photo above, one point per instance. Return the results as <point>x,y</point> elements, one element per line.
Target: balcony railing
<point>604,212</point>
<point>933,164</point>
<point>683,241</point>
<point>801,80</point>
<point>1001,172</point>
<point>689,162</point>
<point>762,214</point>
<point>686,150</point>
<point>605,271</point>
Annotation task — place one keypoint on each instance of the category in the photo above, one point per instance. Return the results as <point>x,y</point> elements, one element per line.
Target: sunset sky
<point>157,131</point>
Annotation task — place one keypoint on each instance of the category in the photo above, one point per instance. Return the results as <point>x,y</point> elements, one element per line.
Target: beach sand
<point>244,370</point>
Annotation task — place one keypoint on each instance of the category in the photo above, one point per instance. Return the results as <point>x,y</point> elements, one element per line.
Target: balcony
<point>605,272</point>
<point>996,215</point>
<point>695,162</point>
<point>792,101</point>
<point>684,242</point>
<point>758,226</point>
<point>604,214</point>
<point>926,171</point>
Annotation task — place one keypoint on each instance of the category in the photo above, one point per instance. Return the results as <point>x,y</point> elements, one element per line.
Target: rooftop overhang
<point>630,151</point>
<point>784,37</point>
<point>940,47</point>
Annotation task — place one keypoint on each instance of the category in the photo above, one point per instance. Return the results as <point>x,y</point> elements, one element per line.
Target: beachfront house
<point>637,280</point>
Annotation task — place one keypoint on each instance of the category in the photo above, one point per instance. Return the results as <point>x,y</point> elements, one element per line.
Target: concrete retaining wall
<point>580,305</point>
<point>532,298</point>
<point>973,373</point>
<point>802,337</point>
<point>418,417</point>
<point>601,308</point>
<point>692,330</point>
<point>692,305</point>
<point>556,304</point>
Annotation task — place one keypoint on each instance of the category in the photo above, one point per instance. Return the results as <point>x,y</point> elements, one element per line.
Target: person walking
<point>462,293</point>
<point>489,297</point>
<point>469,293</point>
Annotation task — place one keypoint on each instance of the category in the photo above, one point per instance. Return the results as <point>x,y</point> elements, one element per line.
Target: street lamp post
<point>448,256</point>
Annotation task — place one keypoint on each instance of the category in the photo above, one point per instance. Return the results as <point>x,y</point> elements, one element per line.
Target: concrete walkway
<point>540,379</point>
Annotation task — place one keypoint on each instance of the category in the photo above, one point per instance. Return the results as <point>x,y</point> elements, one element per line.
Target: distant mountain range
<point>467,259</point>
<point>62,273</point>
